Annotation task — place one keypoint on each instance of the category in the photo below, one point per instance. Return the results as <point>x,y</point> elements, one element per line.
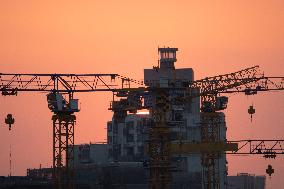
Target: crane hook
<point>9,120</point>
<point>269,170</point>
<point>251,111</point>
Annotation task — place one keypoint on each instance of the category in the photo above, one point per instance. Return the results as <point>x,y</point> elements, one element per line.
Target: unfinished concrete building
<point>127,139</point>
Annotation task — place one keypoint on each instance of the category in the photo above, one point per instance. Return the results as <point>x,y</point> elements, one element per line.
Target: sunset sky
<point>213,37</point>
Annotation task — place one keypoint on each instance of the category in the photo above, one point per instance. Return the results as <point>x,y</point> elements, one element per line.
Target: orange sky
<point>122,37</point>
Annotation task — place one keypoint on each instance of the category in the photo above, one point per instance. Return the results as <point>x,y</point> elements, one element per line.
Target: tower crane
<point>63,108</point>
<point>248,81</point>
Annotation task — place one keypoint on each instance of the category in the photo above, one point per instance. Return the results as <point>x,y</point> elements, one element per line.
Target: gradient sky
<point>213,37</point>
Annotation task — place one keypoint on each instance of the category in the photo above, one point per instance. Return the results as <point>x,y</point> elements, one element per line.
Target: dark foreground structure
<point>109,176</point>
<point>24,183</point>
<point>122,176</point>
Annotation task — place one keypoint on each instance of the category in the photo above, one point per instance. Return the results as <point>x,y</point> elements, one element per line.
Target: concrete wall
<point>90,154</point>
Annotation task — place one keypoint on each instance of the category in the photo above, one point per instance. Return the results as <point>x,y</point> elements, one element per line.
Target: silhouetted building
<point>246,181</point>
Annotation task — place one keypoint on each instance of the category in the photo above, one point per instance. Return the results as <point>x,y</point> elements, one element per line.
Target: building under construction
<point>169,133</point>
<point>129,135</point>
